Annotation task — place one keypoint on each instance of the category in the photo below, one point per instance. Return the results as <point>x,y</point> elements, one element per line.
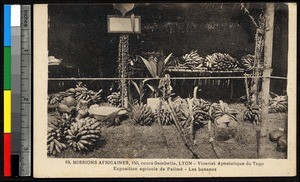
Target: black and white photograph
<point>156,81</point>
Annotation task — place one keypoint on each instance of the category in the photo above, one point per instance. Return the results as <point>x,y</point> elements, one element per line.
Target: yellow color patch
<point>7,111</point>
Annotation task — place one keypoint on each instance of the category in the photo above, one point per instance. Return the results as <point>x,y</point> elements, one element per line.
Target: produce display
<point>199,111</point>
<point>81,135</point>
<point>114,99</point>
<point>84,134</point>
<point>247,62</point>
<point>141,114</point>
<point>66,101</point>
<point>220,62</point>
<point>252,114</point>
<point>56,133</point>
<point>193,60</point>
<point>224,120</point>
<point>278,104</point>
<point>164,116</point>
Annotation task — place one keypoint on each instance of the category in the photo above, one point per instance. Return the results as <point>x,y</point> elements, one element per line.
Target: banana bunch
<point>220,62</point>
<point>54,145</point>
<point>142,114</point>
<point>217,110</point>
<point>201,104</point>
<point>193,59</point>
<point>165,116</point>
<point>114,99</point>
<point>252,114</point>
<point>52,102</point>
<point>278,104</point>
<point>198,113</point>
<point>247,62</point>
<point>83,134</point>
<point>60,126</point>
<point>91,96</point>
<point>56,134</point>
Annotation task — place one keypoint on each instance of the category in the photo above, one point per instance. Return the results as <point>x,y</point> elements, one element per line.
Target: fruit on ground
<point>275,135</point>
<point>282,143</point>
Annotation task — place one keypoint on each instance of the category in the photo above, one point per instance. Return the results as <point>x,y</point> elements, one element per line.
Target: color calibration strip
<point>7,91</point>
<point>12,59</point>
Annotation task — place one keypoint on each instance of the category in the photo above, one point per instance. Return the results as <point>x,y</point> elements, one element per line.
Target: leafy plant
<point>140,88</point>
<point>155,66</point>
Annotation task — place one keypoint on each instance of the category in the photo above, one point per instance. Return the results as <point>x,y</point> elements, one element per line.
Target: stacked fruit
<point>252,114</point>
<point>193,60</point>
<point>142,114</point>
<point>222,115</point>
<point>83,135</point>
<point>198,112</point>
<point>247,62</point>
<point>114,99</point>
<point>220,62</point>
<point>56,134</point>
<point>82,93</point>
<point>164,116</point>
<point>52,102</point>
<point>278,104</point>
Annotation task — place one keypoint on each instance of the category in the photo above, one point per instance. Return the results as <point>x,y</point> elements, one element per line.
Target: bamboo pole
<point>259,46</point>
<point>269,17</point>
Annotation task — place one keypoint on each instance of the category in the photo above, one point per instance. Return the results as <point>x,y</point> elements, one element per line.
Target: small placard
<point>117,24</point>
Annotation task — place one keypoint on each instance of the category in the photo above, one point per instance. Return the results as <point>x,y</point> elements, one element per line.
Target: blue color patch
<point>7,28</point>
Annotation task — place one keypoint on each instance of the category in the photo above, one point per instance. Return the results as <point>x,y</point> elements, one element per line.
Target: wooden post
<point>269,18</point>
<point>123,62</point>
<point>259,46</point>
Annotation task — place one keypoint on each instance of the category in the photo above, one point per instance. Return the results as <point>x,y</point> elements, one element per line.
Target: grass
<point>132,141</point>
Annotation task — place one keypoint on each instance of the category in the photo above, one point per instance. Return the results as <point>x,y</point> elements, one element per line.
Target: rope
<point>172,78</point>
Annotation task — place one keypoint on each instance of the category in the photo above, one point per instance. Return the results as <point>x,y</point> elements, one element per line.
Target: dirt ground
<point>132,141</point>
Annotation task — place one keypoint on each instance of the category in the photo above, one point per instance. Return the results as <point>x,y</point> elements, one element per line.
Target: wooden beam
<point>268,48</point>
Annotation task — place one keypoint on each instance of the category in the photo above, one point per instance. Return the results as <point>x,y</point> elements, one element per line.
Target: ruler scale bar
<point>25,154</point>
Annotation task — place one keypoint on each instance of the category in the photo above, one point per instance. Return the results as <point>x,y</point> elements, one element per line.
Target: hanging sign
<point>119,24</point>
<point>124,7</point>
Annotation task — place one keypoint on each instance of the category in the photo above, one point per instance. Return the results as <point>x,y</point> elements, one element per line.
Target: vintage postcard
<point>164,90</point>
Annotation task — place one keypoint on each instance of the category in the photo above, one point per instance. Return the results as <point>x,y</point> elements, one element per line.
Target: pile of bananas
<point>193,60</point>
<point>220,62</point>
<point>252,114</point>
<point>247,62</point>
<point>142,114</point>
<point>225,121</point>
<point>83,134</point>
<point>199,111</point>
<point>54,145</point>
<point>114,99</point>
<point>56,134</point>
<point>52,102</point>
<point>201,104</point>
<point>164,115</point>
<point>220,109</point>
<point>80,92</point>
<point>278,104</point>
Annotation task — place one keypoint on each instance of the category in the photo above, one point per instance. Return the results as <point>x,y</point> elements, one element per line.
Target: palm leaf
<point>152,88</point>
<point>154,67</point>
<point>167,59</point>
<point>136,87</point>
<point>149,67</point>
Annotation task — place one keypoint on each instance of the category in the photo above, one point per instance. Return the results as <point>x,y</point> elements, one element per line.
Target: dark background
<point>78,35</point>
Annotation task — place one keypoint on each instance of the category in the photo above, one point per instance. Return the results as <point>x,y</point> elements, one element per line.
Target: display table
<point>209,77</point>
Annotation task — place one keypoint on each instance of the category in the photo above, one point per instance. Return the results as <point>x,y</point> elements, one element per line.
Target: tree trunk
<point>268,47</point>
